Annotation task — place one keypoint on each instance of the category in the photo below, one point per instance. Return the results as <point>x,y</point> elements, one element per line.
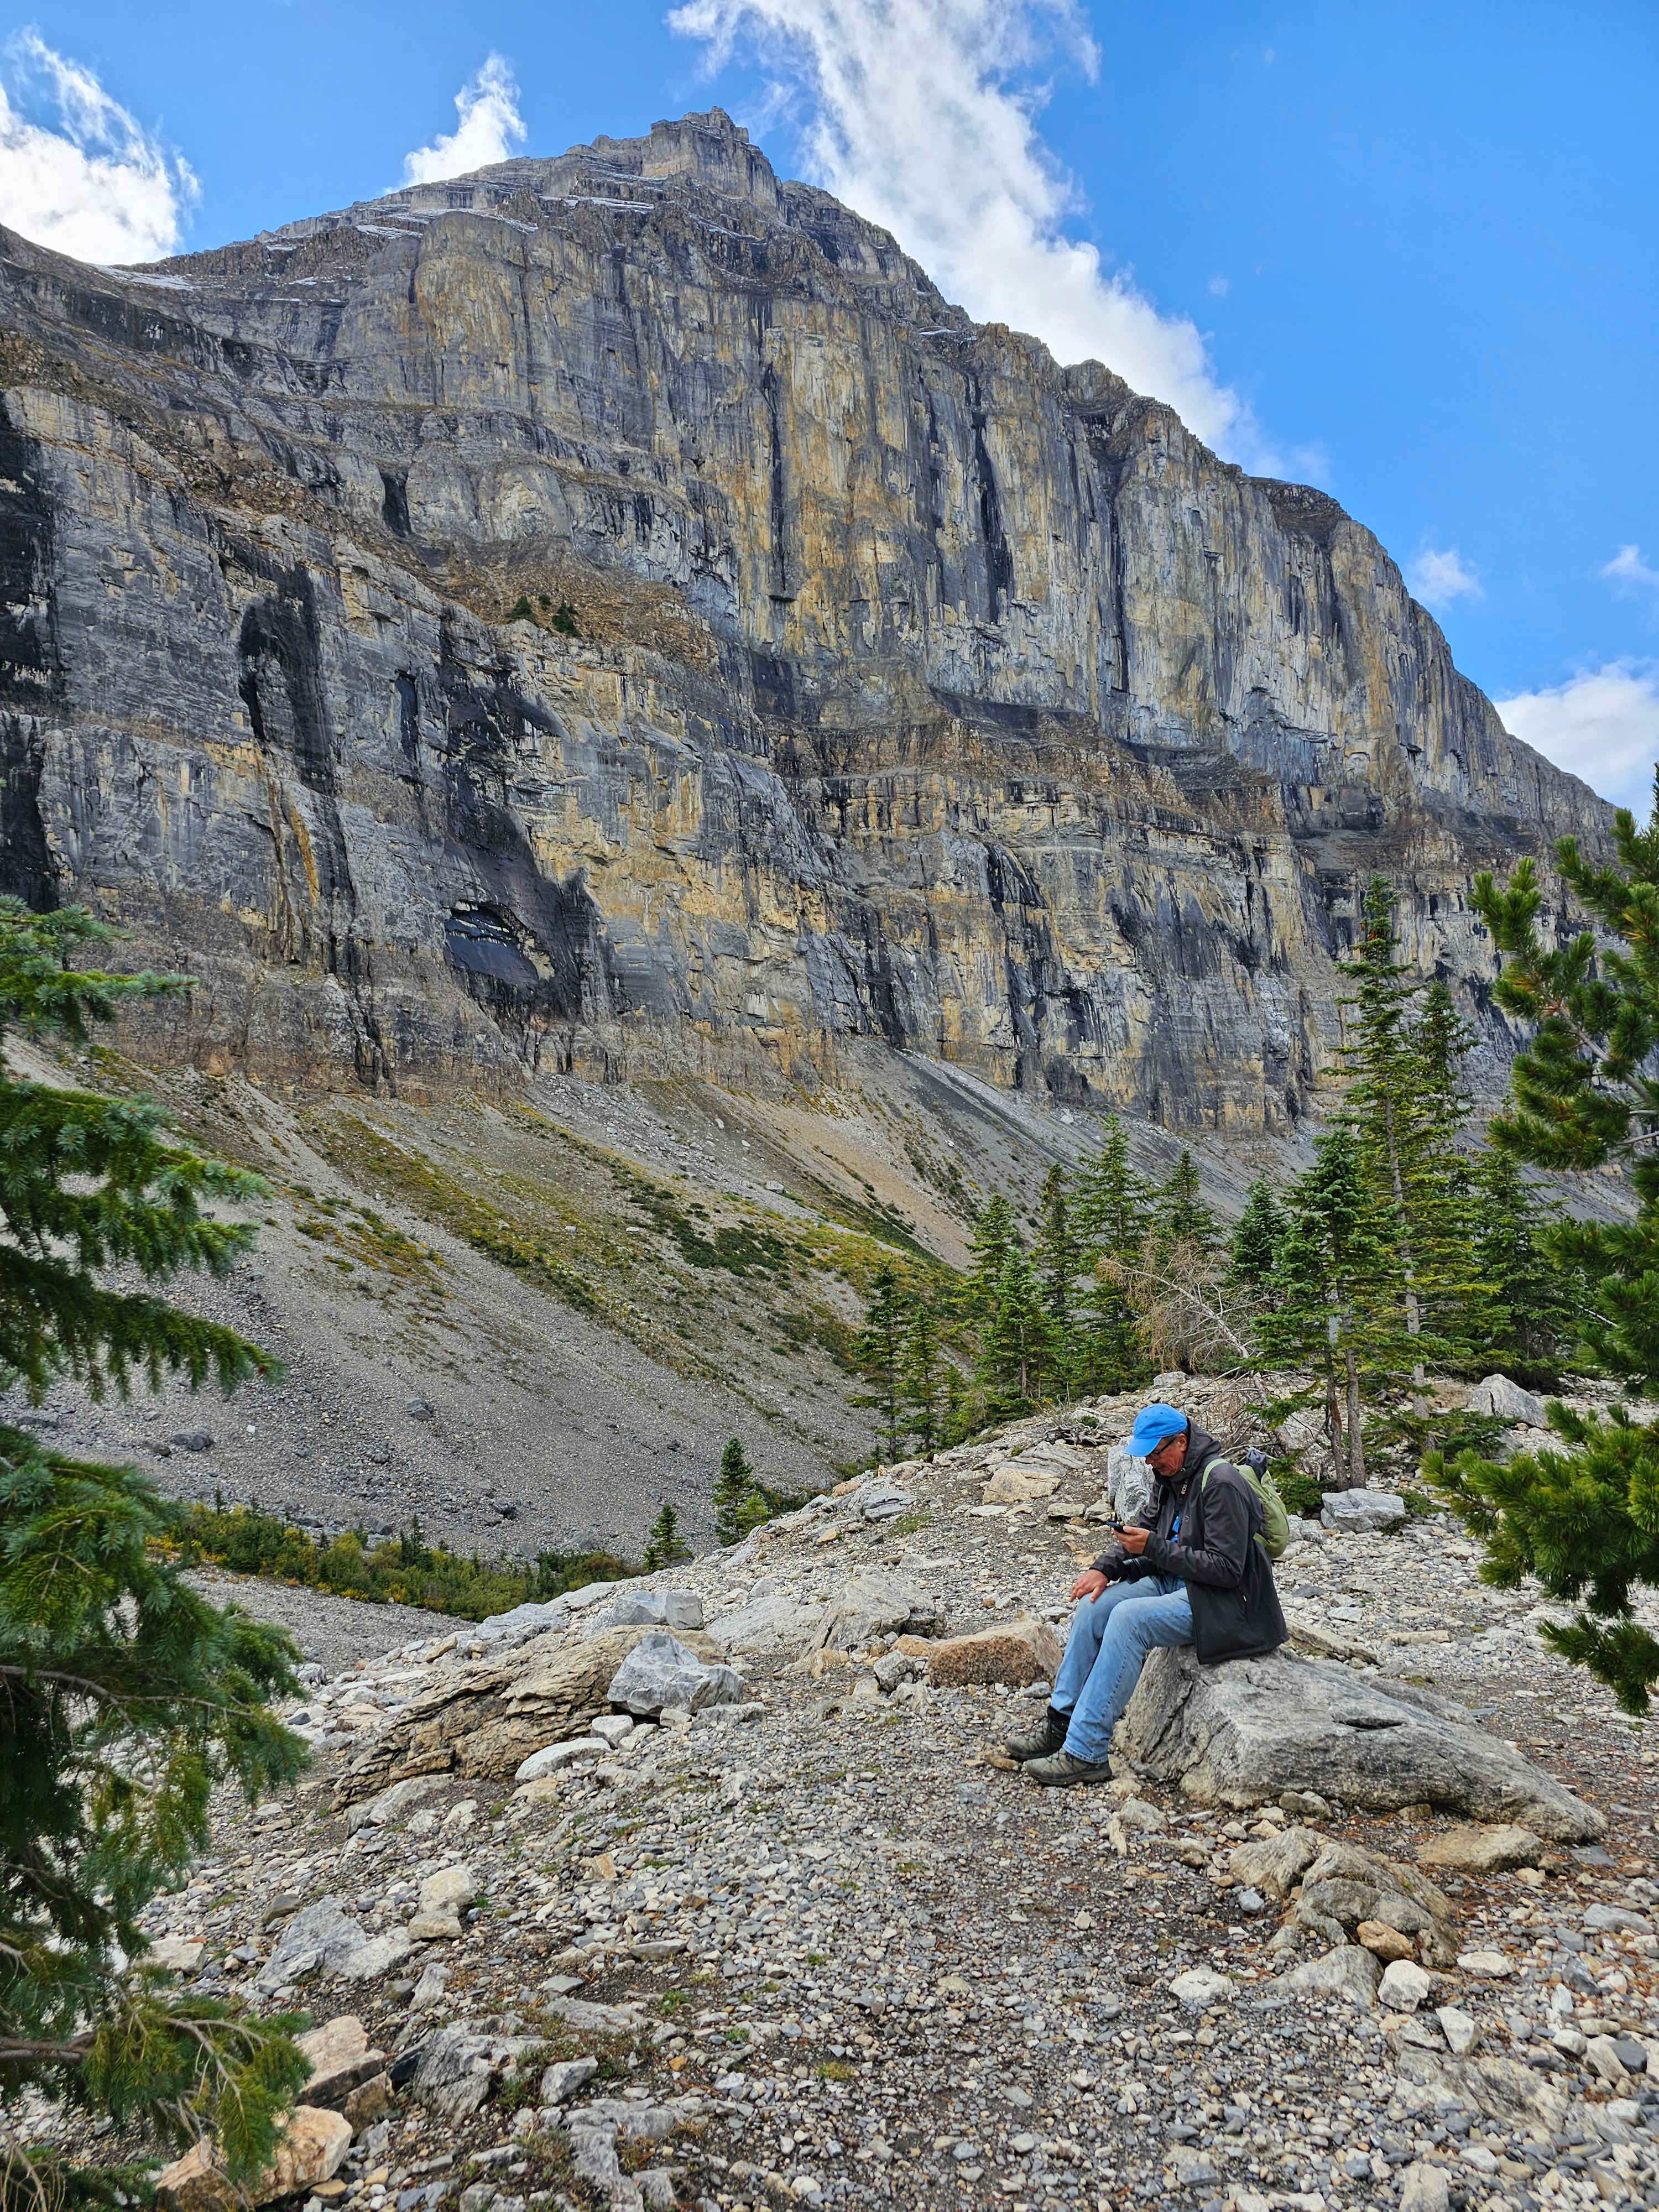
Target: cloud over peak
<point>1440,579</point>
<point>489,128</point>
<point>922,114</point>
<point>1602,724</point>
<point>98,186</point>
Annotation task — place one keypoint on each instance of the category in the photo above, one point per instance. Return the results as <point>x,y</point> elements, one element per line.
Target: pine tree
<point>1329,1308</point>
<point>1112,1208</point>
<point>1532,1308</point>
<point>1404,1106</point>
<point>994,1240</point>
<point>663,1546</point>
<point>878,1351</point>
<point>922,1379</point>
<point>1016,1350</point>
<point>1585,1095</point>
<point>735,1491</point>
<point>1181,1217</point>
<point>129,1697</point>
<point>1255,1248</point>
<point>1057,1254</point>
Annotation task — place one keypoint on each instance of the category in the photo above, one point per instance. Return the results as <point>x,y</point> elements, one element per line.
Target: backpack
<point>1274,1534</point>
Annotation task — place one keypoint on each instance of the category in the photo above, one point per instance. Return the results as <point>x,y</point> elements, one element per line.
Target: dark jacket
<point>1229,1576</point>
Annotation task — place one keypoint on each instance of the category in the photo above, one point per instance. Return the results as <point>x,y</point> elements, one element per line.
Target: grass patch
<point>397,1570</point>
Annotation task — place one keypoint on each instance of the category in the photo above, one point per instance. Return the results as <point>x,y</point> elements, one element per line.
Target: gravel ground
<point>843,1960</point>
<point>335,1633</point>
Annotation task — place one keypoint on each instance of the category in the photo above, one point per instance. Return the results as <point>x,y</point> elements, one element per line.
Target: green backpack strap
<point>1274,1534</point>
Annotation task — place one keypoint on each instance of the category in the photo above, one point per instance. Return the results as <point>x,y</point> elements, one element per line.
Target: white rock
<point>660,1672</point>
<point>1347,1972</point>
<point>1507,1400</point>
<point>1490,1966</point>
<point>1359,1512</point>
<point>552,1756</point>
<point>1459,2029</point>
<point>1201,1988</point>
<point>1404,1986</point>
<point>451,1889</point>
<point>1425,2188</point>
<point>613,1728</point>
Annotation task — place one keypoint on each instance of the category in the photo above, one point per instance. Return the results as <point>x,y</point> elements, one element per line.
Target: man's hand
<point>1134,1540</point>
<point>1090,1584</point>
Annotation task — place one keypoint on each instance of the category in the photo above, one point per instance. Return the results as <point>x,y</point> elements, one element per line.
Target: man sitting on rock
<point>1195,1575</point>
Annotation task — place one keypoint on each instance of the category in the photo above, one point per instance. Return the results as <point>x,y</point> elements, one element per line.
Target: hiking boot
<point>1063,1771</point>
<point>1042,1742</point>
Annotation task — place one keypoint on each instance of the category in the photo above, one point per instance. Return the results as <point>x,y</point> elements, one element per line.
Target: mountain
<point>679,763</point>
<point>908,687</point>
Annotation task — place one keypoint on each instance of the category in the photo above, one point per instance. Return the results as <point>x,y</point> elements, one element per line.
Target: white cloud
<point>488,129</point>
<point>1440,578</point>
<point>1603,725</point>
<point>1630,574</point>
<point>1218,287</point>
<point>99,186</point>
<point>922,115</point>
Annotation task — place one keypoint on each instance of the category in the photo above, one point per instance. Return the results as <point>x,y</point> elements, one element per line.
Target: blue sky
<point>1408,251</point>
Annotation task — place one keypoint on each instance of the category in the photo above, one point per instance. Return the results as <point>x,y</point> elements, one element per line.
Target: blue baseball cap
<point>1154,1425</point>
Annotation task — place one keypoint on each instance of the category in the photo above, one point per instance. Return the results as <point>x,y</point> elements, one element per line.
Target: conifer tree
<point>1016,1350</point>
<point>1329,1310</point>
<point>663,1546</point>
<point>922,1379</point>
<point>1529,1314</point>
<point>1585,1095</point>
<point>1111,1211</point>
<point>1254,1250</point>
<point>1404,1107</point>
<point>994,1240</point>
<point>1181,1217</point>
<point>1057,1256</point>
<point>735,1494</point>
<point>878,1352</point>
<point>127,1696</point>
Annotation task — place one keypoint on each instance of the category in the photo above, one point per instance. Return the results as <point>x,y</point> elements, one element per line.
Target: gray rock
<point>1359,1512</point>
<point>647,1608</point>
<point>1129,1480</point>
<point>1425,2188</point>
<point>1347,1972</point>
<point>1241,1732</point>
<point>191,1440</point>
<point>771,1621</point>
<point>660,1673</point>
<point>1276,1864</point>
<point>564,2079</point>
<point>505,1631</point>
<point>875,1606</point>
<point>884,1500</point>
<point>1507,1400</point>
<point>324,1932</point>
<point>459,2068</point>
<point>377,1811</point>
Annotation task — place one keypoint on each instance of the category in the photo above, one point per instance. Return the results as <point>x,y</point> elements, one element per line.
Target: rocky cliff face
<point>610,611</point>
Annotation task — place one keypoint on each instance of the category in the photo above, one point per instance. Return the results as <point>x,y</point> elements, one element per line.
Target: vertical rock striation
<point>611,611</point>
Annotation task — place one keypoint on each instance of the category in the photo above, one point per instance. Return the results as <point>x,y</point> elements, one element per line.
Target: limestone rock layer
<point>610,611</point>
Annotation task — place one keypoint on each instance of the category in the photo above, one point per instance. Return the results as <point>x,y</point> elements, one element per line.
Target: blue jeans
<point>1105,1651</point>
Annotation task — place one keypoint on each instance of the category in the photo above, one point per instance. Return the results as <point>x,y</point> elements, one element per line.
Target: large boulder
<point>1239,1734</point>
<point>647,1608</point>
<point>1346,1887</point>
<point>659,1675</point>
<point>1016,1652</point>
<point>874,1606</point>
<point>459,2067</point>
<point>341,2058</point>
<point>771,1622</point>
<point>1507,1400</point>
<point>485,1719</point>
<point>311,2150</point>
<point>1361,1512</point>
<point>325,1940</point>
